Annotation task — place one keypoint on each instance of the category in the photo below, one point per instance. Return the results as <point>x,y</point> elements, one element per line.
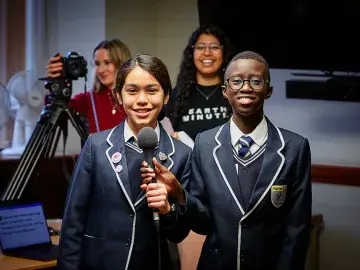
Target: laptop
<point>24,232</point>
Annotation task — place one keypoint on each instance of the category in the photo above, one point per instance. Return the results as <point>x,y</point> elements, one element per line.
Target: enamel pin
<point>118,168</point>
<point>162,156</point>
<point>116,157</point>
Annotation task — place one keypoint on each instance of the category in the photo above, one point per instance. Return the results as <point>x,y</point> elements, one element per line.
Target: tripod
<point>45,137</point>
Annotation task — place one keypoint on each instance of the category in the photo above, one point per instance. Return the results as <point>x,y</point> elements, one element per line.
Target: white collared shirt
<point>128,133</point>
<point>259,135</point>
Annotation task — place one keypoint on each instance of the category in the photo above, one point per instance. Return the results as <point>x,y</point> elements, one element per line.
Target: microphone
<point>147,141</point>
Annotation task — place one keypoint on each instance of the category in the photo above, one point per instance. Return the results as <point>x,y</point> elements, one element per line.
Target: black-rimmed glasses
<point>256,82</point>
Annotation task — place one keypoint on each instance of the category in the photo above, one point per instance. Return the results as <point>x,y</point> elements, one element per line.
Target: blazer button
<point>127,243</point>
<point>242,258</point>
<point>131,215</point>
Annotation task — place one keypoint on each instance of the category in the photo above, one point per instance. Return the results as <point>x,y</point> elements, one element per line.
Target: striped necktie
<point>245,144</point>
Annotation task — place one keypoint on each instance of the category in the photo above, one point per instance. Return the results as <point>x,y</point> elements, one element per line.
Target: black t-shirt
<point>207,109</point>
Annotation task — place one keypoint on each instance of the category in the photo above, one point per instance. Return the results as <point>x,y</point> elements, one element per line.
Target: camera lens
<point>75,66</point>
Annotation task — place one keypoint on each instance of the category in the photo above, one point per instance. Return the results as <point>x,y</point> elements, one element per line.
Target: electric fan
<point>27,100</point>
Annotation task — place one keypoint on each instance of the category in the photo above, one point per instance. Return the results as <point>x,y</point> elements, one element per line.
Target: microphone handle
<point>149,153</point>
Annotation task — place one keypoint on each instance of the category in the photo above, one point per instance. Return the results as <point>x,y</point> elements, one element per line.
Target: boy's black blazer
<point>273,233</point>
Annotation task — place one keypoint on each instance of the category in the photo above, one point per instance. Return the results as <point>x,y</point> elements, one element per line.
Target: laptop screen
<point>22,225</point>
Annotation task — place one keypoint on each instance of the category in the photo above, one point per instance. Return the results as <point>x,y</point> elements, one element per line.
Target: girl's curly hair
<point>186,79</point>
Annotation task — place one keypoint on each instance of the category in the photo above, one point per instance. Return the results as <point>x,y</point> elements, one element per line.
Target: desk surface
<point>12,263</point>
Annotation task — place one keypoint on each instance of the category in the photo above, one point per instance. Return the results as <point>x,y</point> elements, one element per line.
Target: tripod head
<point>60,91</point>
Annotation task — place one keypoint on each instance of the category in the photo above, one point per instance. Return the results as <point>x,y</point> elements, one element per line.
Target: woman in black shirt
<point>197,103</point>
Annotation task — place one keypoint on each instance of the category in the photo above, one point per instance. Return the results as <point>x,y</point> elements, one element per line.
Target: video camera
<point>74,67</point>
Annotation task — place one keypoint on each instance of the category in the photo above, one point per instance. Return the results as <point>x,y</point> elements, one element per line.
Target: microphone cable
<point>156,216</point>
<point>157,229</point>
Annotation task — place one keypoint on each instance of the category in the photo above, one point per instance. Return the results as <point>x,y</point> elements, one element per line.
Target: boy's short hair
<point>250,55</point>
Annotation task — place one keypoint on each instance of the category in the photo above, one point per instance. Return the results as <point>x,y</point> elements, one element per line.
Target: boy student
<point>108,224</point>
<point>250,185</point>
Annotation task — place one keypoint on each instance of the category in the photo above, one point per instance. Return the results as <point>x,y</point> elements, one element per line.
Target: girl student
<point>108,219</point>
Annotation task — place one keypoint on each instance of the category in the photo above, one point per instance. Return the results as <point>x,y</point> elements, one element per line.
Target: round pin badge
<point>118,168</point>
<point>116,157</point>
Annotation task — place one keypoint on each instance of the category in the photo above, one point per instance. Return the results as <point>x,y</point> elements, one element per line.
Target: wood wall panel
<point>339,175</point>
<point>15,37</point>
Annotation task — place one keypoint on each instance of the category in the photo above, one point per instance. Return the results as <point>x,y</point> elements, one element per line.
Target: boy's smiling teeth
<point>246,100</point>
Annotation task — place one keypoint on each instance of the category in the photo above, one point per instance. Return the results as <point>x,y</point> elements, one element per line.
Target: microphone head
<point>147,138</point>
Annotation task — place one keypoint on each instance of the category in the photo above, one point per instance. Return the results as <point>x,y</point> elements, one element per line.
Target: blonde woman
<point>99,105</point>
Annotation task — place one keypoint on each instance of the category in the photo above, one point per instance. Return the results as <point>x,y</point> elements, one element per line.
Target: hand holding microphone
<point>163,176</point>
<point>156,193</point>
<point>157,197</point>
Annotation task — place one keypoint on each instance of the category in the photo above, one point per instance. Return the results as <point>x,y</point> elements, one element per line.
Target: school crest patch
<point>278,194</point>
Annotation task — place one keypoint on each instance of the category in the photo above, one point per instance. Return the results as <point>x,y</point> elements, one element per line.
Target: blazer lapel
<point>222,153</point>
<point>272,164</point>
<point>117,159</point>
<point>166,149</point>
<point>163,154</point>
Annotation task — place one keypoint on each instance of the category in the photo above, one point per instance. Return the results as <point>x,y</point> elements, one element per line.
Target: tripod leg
<point>54,139</point>
<point>34,149</point>
<point>47,150</point>
<point>55,142</point>
<point>78,125</point>
<point>26,159</point>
